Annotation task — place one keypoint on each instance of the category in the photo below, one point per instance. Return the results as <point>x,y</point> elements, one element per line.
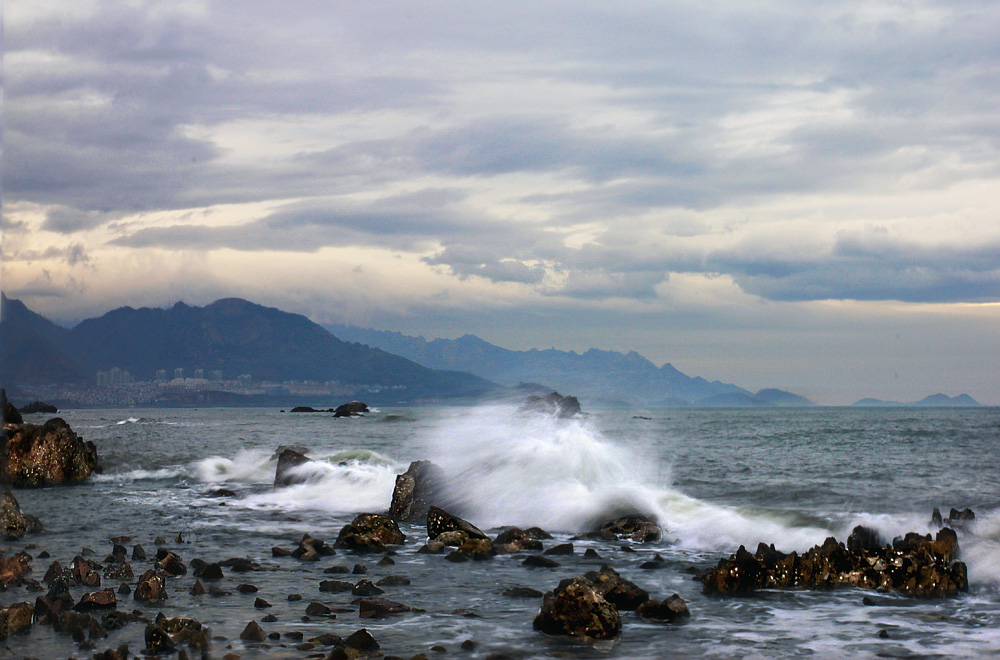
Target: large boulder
<point>615,589</point>
<point>577,608</point>
<point>46,455</point>
<point>351,409</point>
<point>415,489</point>
<point>284,473</point>
<point>551,404</point>
<point>440,521</point>
<point>915,565</point>
<point>370,532</point>
<point>633,527</point>
<point>13,523</point>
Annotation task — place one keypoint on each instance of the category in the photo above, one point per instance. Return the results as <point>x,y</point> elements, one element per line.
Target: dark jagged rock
<point>311,549</point>
<point>560,549</point>
<point>13,522</point>
<point>97,600</point>
<point>960,519</point>
<point>335,586</point>
<point>15,619</point>
<point>551,404</point>
<point>366,588</point>
<point>577,608</point>
<point>415,489</point>
<point>864,538</point>
<point>522,592</point>
<point>671,609</point>
<point>303,409</point>
<point>288,460</point>
<point>540,562</point>
<point>243,564</point>
<point>152,587</point>
<point>351,409</point>
<point>36,407</point>
<point>634,527</point>
<point>46,455</point>
<point>170,563</point>
<point>615,589</point>
<point>370,532</point>
<point>120,653</point>
<point>13,569</point>
<point>393,581</point>
<point>515,539</point>
<point>253,633</point>
<point>10,413</point>
<point>440,521</point>
<point>915,565</point>
<point>85,572</point>
<point>362,640</point>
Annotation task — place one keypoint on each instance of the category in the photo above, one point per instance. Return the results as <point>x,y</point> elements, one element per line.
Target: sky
<point>803,195</point>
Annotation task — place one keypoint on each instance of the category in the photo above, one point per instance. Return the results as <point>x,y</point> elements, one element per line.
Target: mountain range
<point>600,377</point>
<point>932,401</point>
<point>230,335</point>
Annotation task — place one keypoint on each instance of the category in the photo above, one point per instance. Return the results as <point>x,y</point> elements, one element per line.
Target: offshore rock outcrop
<point>13,522</point>
<point>552,404</point>
<point>45,455</point>
<point>288,460</point>
<point>351,409</point>
<point>370,532</point>
<point>415,489</point>
<point>914,565</point>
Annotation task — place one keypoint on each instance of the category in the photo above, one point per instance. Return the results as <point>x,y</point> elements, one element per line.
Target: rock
<point>84,572</point>
<point>370,532</point>
<point>151,587</point>
<point>540,562</point>
<point>243,564</point>
<point>334,570</point>
<point>551,404</point>
<point>671,609</point>
<point>317,609</point>
<point>415,489</point>
<point>15,619</point>
<point>351,409</point>
<point>46,455</point>
<point>634,527</point>
<point>13,569</point>
<point>561,549</point>
<point>253,633</point>
<point>578,609</point>
<point>431,548</point>
<point>157,641</point>
<point>335,586</point>
<point>360,569</point>
<point>13,523</point>
<point>36,407</point>
<point>615,589</point>
<point>120,653</point>
<point>915,565</point>
<point>393,581</point>
<point>960,519</point>
<point>211,572</point>
<point>138,553</point>
<point>97,600</point>
<point>936,518</point>
<point>170,563</point>
<point>864,538</point>
<point>515,539</point>
<point>303,409</point>
<point>284,473</point>
<point>366,588</point>
<point>311,549</point>
<point>522,592</point>
<point>247,589</point>
<point>440,521</point>
<point>375,607</point>
<point>362,640</point>
<point>198,589</point>
<point>261,604</point>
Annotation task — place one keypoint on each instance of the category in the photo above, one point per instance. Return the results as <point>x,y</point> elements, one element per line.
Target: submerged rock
<point>46,455</point>
<point>577,608</point>
<point>415,489</point>
<point>13,522</point>
<point>915,565</point>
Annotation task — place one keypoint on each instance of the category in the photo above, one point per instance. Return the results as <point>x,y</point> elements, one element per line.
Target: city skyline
<point>780,195</point>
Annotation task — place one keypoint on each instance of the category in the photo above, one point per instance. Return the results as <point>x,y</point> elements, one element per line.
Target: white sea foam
<point>508,469</point>
<point>253,467</point>
<point>141,475</point>
<point>130,420</point>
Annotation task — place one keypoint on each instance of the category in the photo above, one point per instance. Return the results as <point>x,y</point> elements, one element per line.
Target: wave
<point>161,474</point>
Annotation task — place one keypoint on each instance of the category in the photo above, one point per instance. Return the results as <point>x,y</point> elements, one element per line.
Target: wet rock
<point>198,589</point>
<point>515,539</point>
<point>335,586</point>
<point>634,527</point>
<point>84,572</point>
<point>311,549</point>
<point>431,548</point>
<point>590,553</point>
<point>152,587</point>
<point>375,607</point>
<point>393,581</point>
<point>317,609</point>
<point>243,564</point>
<point>327,639</point>
<point>10,413</point>
<point>97,600</point>
<point>46,455</point>
<point>440,521</point>
<point>157,641</point>
<point>170,563</point>
<point>334,570</point>
<point>120,653</point>
<point>915,565</point>
<point>540,562</point>
<point>285,473</point>
<point>15,619</point>
<point>670,609</point>
<point>622,593</point>
<point>261,604</point>
<point>366,588</point>
<point>386,561</point>
<point>36,407</point>
<point>415,489</point>
<point>222,492</point>
<point>960,519</point>
<point>360,569</point>
<point>936,518</point>
<point>352,409</point>
<point>655,563</point>
<point>13,522</point>
<point>578,609</point>
<point>211,572</point>
<point>138,553</point>
<point>561,549</point>
<point>551,404</point>
<point>119,572</point>
<point>253,633</point>
<point>362,640</point>
<point>278,551</point>
<point>247,589</point>
<point>54,571</point>
<point>370,532</point>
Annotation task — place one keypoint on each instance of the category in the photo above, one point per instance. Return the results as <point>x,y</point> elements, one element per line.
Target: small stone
<point>317,609</point>
<point>883,634</point>
<point>335,586</point>
<point>274,635</point>
<point>438,648</point>
<point>362,640</point>
<point>523,592</point>
<point>253,633</point>
<point>336,569</point>
<point>247,589</point>
<point>561,549</point>
<point>366,588</point>
<point>280,552</point>
<point>212,572</point>
<point>260,603</point>
<point>124,589</point>
<point>294,597</point>
<point>540,562</point>
<point>270,618</point>
<point>468,645</point>
<point>138,553</point>
<point>393,581</point>
<point>360,569</point>
<point>590,553</point>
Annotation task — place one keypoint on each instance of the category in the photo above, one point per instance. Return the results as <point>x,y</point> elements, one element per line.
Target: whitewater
<point>713,479</point>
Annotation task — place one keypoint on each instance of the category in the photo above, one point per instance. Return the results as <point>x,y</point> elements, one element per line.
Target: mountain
<point>231,335</point>
<point>782,398</point>
<point>934,400</point>
<point>34,350</point>
<point>601,377</point>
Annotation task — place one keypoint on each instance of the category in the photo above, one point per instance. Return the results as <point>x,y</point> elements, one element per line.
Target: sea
<point>715,479</point>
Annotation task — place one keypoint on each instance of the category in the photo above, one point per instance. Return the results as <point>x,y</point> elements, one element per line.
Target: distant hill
<point>783,398</point>
<point>599,377</point>
<point>231,335</point>
<point>934,400</point>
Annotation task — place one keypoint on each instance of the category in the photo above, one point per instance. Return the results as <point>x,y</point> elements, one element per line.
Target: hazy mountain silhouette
<point>934,400</point>
<point>597,376</point>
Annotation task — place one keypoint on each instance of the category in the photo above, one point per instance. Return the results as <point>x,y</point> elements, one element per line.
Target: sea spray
<point>566,475</point>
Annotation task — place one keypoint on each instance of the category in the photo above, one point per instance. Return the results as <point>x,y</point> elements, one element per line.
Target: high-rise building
<point>179,372</point>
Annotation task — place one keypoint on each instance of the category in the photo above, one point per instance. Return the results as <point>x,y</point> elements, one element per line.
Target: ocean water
<point>715,479</point>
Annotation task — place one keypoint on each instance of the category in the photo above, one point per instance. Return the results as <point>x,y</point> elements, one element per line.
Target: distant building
<point>217,374</point>
<point>179,372</point>
<point>161,375</point>
<point>199,373</point>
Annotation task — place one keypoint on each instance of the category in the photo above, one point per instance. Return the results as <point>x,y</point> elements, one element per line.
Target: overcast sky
<point>802,195</point>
